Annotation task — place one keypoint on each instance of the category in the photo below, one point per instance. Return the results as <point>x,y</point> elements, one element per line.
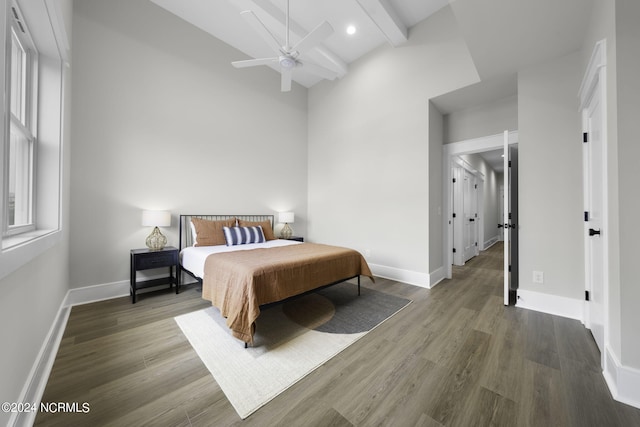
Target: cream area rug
<point>291,340</point>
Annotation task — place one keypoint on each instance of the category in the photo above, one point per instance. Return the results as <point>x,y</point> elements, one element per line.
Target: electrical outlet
<point>538,277</point>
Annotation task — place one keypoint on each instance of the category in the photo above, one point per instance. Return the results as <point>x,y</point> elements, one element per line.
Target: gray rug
<point>291,340</point>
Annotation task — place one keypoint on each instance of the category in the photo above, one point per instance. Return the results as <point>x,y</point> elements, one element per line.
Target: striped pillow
<point>243,235</point>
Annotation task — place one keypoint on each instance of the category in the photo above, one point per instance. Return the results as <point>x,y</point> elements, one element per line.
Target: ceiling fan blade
<point>319,71</point>
<point>254,62</point>
<point>260,28</point>
<point>285,80</point>
<point>314,38</point>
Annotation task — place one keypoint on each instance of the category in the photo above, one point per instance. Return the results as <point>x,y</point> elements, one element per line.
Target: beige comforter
<point>239,282</point>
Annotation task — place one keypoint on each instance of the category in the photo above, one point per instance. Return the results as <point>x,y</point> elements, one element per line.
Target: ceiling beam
<point>384,16</point>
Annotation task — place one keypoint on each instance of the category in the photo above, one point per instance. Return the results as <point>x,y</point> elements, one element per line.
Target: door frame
<point>449,151</point>
<point>594,83</point>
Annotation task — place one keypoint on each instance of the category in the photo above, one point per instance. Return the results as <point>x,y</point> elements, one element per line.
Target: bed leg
<point>246,345</point>
<point>358,285</point>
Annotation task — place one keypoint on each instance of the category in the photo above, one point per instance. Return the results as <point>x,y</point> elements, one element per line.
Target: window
<point>35,84</point>
<point>22,144</point>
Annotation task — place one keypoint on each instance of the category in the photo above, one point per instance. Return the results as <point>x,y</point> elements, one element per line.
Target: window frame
<point>25,125</point>
<point>49,24</point>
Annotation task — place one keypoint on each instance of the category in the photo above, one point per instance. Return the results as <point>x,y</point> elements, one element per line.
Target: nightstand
<point>296,238</point>
<point>145,259</point>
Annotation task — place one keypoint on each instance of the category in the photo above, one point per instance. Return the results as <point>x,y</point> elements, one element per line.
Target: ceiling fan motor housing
<point>287,62</point>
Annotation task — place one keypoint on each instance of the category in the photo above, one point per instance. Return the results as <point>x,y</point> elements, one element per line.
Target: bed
<point>257,269</point>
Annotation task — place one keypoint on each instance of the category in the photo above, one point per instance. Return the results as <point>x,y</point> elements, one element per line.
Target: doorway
<point>450,152</point>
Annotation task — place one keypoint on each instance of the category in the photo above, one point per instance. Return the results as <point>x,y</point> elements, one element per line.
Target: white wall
<point>369,146</point>
<point>550,178</point>
<point>163,121</point>
<point>488,119</point>
<point>436,231</point>
<point>628,110</point>
<point>32,295</point>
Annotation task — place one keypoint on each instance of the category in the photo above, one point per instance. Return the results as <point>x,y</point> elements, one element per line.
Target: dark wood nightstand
<point>145,259</point>
<point>296,238</point>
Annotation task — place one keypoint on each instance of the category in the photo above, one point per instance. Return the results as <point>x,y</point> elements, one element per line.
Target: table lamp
<point>287,218</point>
<point>156,240</point>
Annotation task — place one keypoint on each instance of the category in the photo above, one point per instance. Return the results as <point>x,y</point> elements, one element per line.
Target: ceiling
<point>495,159</point>
<point>377,22</point>
<point>503,36</point>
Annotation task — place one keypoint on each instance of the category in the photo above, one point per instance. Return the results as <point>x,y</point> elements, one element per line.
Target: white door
<point>505,216</point>
<point>594,208</point>
<point>457,197</point>
<point>594,124</point>
<point>469,219</point>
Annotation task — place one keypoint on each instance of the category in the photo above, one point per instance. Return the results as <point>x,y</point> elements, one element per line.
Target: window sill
<point>9,242</point>
<point>20,249</point>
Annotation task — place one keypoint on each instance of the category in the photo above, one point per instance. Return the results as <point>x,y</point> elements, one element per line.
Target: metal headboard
<point>186,239</point>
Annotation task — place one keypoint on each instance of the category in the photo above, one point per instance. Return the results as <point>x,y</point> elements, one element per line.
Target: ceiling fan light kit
<point>287,55</point>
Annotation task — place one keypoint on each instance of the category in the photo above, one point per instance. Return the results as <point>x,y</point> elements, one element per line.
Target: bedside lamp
<point>287,218</point>
<point>155,219</point>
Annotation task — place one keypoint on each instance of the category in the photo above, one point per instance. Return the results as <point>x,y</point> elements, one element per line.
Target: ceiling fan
<point>288,57</point>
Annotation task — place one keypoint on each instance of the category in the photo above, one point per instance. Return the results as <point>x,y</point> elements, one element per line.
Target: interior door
<point>457,215</point>
<point>505,217</point>
<point>470,231</point>
<point>513,222</point>
<point>594,154</point>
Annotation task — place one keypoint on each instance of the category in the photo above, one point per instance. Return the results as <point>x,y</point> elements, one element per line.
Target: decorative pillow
<point>209,233</point>
<point>243,235</point>
<point>266,227</point>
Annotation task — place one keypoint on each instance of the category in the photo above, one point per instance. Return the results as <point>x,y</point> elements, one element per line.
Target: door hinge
<point>454,180</point>
<point>509,163</point>
<point>586,216</point>
<point>587,297</point>
<point>476,243</point>
<point>454,250</point>
<point>454,214</point>
<point>509,268</point>
<point>475,186</point>
<point>585,137</point>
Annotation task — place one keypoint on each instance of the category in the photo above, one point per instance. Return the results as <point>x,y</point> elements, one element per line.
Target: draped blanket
<point>239,282</point>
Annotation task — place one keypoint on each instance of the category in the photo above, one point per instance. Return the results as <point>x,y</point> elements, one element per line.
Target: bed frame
<point>186,240</point>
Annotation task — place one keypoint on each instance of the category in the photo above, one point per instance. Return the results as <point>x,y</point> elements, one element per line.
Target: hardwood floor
<point>454,357</point>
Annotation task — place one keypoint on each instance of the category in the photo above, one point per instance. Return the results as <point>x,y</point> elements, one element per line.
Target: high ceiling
<point>377,22</point>
<point>502,35</point>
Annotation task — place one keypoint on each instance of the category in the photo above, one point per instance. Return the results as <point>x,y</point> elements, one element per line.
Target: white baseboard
<point>551,304</point>
<point>436,276</point>
<point>88,294</point>
<point>404,276</point>
<point>492,241</point>
<point>623,381</point>
<point>39,374</point>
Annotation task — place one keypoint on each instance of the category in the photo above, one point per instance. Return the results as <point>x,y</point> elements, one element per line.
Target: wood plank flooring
<point>454,357</point>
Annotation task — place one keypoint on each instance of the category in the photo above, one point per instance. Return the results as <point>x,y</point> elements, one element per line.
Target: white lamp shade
<point>156,218</point>
<point>286,217</point>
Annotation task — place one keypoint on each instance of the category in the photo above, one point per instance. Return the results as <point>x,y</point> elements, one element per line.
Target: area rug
<point>292,339</point>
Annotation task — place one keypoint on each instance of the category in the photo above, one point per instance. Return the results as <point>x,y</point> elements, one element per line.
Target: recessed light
<point>351,29</point>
